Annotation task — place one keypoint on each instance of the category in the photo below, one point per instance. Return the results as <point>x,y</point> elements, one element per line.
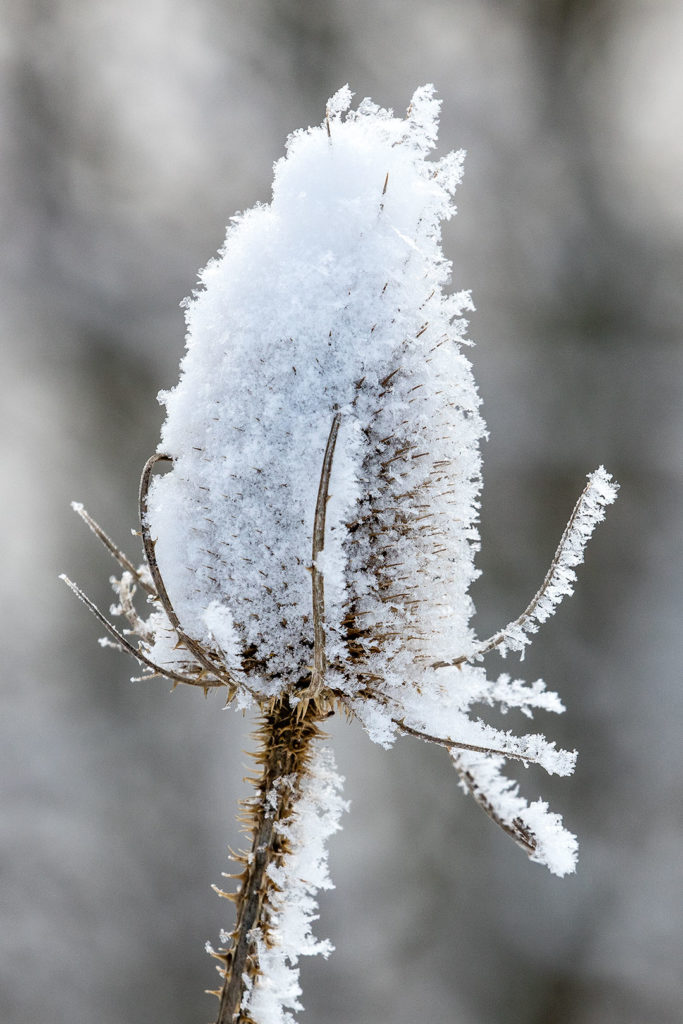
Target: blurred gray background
<point>130,133</point>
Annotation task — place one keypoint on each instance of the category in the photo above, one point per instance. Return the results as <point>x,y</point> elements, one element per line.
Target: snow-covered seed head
<point>313,541</point>
<point>328,302</point>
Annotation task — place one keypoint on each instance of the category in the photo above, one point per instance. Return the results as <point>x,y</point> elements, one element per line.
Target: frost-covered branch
<point>109,544</point>
<point>531,749</point>
<point>589,510</point>
<point>123,644</point>
<point>533,826</point>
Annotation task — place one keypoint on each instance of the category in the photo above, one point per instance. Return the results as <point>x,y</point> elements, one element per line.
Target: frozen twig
<point>125,644</point>
<point>599,492</point>
<point>109,544</point>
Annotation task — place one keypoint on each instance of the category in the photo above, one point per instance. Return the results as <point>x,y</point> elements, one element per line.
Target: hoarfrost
<point>330,301</point>
<point>325,311</point>
<point>293,909</point>
<point>330,298</point>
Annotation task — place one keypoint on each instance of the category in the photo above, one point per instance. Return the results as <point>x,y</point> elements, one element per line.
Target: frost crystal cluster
<point>328,300</point>
<point>311,545</point>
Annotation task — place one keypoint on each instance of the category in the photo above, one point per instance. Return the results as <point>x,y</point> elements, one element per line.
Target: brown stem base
<point>285,736</point>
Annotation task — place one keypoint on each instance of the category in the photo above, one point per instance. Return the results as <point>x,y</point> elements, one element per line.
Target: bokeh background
<point>130,132</point>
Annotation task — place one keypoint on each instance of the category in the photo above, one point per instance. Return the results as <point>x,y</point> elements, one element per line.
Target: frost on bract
<point>311,543</point>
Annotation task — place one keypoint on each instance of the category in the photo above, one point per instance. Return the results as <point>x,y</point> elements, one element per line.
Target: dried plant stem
<point>285,744</point>
<point>515,828</point>
<point>521,622</point>
<point>317,578</point>
<point>444,741</point>
<point>125,644</point>
<point>109,544</point>
<point>149,544</point>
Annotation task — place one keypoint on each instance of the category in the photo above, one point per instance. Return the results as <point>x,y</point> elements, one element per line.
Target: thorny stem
<point>286,739</point>
<point>286,733</point>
